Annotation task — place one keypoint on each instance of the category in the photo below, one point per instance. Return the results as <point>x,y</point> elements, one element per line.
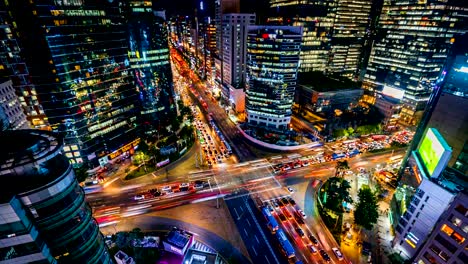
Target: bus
<point>286,246</point>
<point>272,224</point>
<point>92,188</point>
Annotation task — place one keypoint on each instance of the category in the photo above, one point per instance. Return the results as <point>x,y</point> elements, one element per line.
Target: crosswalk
<point>199,246</point>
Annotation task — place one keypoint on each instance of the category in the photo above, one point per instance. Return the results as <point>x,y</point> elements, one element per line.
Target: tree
<point>337,192</point>
<point>366,213</point>
<point>340,167</point>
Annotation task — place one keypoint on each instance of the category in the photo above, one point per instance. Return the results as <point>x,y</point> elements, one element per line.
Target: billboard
<point>393,92</point>
<point>433,153</point>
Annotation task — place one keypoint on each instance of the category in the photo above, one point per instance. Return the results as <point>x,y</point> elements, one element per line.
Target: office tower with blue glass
<point>44,217</point>
<point>272,64</point>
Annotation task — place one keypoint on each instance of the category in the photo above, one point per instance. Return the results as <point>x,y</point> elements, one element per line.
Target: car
<point>284,201</point>
<point>300,232</point>
<point>299,219</point>
<point>302,213</point>
<point>270,208</point>
<point>282,217</point>
<point>313,240</point>
<point>139,197</point>
<point>279,203</point>
<point>287,213</point>
<point>275,204</point>
<point>184,184</point>
<point>305,163</point>
<point>324,255</point>
<point>166,189</point>
<point>313,249</point>
<point>291,190</point>
<point>297,165</point>
<point>291,201</point>
<point>337,253</point>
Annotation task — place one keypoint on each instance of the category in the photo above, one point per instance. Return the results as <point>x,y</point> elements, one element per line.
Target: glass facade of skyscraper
<point>77,54</point>
<point>13,66</point>
<point>149,59</point>
<point>350,28</point>
<point>43,213</point>
<point>272,63</point>
<point>413,41</point>
<point>316,19</point>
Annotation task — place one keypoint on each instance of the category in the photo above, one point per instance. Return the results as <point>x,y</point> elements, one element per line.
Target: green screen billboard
<point>434,151</point>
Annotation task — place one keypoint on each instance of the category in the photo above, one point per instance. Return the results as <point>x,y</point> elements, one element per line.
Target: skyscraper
<point>12,115</point>
<point>413,41</point>
<point>223,7</point>
<point>316,18</point>
<point>235,49</point>
<point>149,59</point>
<point>13,66</point>
<point>43,214</point>
<point>272,63</point>
<point>449,239</point>
<point>76,52</point>
<point>350,29</point>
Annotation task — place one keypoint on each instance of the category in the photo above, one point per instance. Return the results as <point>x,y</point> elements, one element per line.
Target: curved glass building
<point>43,214</point>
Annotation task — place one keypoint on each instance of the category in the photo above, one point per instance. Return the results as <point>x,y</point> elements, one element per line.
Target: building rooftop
<point>178,238</point>
<point>320,82</point>
<point>29,159</point>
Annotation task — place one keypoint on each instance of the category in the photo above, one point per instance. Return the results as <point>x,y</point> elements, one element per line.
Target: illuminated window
<point>74,147</point>
<point>69,155</point>
<point>66,148</point>
<point>457,237</point>
<point>447,230</point>
<point>456,221</point>
<point>76,153</point>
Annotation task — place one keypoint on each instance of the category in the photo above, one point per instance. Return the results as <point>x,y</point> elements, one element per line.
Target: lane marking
<point>248,222</point>
<point>267,259</point>
<point>255,251</point>
<point>256,238</point>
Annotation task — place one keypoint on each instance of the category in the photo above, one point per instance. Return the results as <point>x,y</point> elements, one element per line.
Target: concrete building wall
<point>427,205</point>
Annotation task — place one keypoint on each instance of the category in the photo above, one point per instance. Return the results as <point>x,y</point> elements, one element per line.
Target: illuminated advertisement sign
<point>393,92</point>
<point>433,153</point>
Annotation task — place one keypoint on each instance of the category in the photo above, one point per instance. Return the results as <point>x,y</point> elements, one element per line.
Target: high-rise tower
<point>43,214</point>
<point>272,63</point>
<point>411,48</point>
<point>13,66</point>
<point>149,59</point>
<point>76,52</point>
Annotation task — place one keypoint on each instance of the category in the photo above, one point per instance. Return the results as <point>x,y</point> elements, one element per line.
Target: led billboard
<point>393,92</point>
<point>433,153</point>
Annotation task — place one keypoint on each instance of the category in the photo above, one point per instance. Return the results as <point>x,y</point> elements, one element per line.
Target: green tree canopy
<point>366,213</point>
<point>337,192</point>
<point>340,167</point>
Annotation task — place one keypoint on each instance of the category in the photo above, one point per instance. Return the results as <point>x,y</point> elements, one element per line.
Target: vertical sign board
<point>432,154</point>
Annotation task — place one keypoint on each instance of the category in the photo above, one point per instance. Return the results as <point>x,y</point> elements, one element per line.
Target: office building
<point>12,116</point>
<point>13,66</point>
<point>316,18</point>
<point>76,52</point>
<point>322,94</point>
<point>350,29</point>
<point>223,7</point>
<point>178,241</point>
<point>449,239</point>
<point>272,64</point>
<point>43,214</point>
<point>234,50</point>
<point>426,206</point>
<point>149,60</point>
<point>413,41</point>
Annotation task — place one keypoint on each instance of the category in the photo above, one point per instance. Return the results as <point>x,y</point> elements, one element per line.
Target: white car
<point>139,197</point>
<point>184,184</point>
<point>302,213</point>
<point>291,190</point>
<point>337,253</point>
<point>166,189</point>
